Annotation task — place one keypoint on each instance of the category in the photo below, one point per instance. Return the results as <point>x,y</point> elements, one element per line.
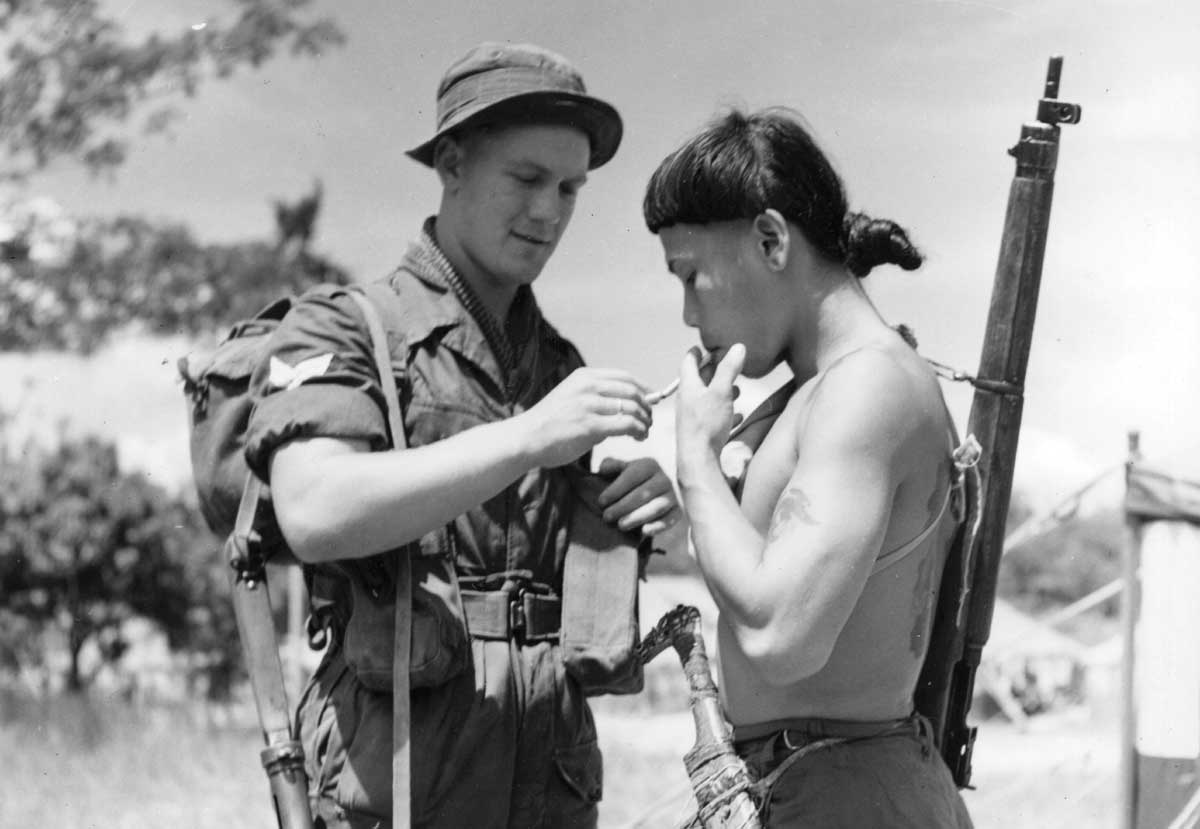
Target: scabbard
<point>719,777</point>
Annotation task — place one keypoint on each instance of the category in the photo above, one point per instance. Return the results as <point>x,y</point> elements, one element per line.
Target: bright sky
<point>915,101</point>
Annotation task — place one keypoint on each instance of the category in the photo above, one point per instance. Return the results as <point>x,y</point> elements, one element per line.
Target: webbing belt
<point>512,614</point>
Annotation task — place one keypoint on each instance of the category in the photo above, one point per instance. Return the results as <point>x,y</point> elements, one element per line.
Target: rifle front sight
<point>1051,110</point>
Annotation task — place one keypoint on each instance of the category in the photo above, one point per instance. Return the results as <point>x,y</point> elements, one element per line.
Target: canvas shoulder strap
<point>401,715</point>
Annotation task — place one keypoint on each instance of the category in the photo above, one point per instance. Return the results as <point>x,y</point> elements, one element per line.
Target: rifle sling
<point>401,745</point>
<point>256,626</point>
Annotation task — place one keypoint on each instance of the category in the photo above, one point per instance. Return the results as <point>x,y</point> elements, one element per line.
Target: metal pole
<point>1130,601</point>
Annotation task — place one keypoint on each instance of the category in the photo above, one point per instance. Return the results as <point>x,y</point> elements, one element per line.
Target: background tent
<point>1162,710</point>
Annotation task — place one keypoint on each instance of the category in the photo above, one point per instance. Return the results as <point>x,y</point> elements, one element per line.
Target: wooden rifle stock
<point>967,598</point>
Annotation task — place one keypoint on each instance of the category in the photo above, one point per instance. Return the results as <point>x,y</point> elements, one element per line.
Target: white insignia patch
<point>288,377</point>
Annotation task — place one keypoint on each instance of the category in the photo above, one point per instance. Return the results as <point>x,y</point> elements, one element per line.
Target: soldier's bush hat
<point>502,83</point>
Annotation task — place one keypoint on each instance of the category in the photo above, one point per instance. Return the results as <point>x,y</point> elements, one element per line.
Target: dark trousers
<point>508,743</point>
<point>855,776</point>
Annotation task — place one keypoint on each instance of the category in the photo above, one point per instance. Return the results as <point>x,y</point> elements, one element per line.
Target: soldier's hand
<point>590,405</point>
<point>640,495</point>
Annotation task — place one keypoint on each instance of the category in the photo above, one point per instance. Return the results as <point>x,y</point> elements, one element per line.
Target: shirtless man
<point>826,573</point>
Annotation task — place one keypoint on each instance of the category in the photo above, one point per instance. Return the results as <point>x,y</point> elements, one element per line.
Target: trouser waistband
<point>771,747</point>
<point>817,728</point>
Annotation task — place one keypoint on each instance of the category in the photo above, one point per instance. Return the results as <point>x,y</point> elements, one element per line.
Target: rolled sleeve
<point>318,379</point>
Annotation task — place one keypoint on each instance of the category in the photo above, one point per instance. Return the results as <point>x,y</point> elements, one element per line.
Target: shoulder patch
<point>287,377</point>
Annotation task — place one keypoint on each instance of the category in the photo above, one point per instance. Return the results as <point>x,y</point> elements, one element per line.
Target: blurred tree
<point>295,222</point>
<point>71,83</point>
<point>73,79</point>
<point>130,271</point>
<point>85,546</point>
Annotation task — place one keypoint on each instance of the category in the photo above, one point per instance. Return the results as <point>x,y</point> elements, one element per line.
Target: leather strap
<point>256,625</point>
<point>402,648</point>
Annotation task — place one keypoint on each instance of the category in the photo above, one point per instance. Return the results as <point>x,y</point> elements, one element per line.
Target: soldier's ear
<point>772,238</point>
<point>448,157</point>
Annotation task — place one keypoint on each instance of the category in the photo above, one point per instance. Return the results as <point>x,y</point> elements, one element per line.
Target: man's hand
<point>584,409</point>
<point>704,411</point>
<point>640,495</point>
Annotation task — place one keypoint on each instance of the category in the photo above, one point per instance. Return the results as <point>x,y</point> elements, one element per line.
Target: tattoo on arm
<point>793,507</point>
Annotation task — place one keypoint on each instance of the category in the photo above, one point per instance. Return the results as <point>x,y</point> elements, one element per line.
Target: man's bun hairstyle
<point>742,164</point>
<point>869,242</point>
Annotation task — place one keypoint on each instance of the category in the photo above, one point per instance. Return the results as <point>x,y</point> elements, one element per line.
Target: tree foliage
<point>85,546</point>
<point>72,79</point>
<point>131,271</point>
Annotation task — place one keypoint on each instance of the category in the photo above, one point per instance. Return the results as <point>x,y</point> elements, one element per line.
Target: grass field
<point>81,764</point>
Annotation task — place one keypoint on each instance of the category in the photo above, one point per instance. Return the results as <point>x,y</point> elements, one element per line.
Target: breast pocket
<point>445,398</point>
<point>429,421</point>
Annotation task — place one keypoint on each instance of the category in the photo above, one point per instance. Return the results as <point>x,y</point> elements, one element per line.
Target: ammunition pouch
<point>356,602</point>
<point>599,613</point>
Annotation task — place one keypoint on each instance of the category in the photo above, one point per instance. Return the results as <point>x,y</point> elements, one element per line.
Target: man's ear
<point>771,238</point>
<point>448,156</point>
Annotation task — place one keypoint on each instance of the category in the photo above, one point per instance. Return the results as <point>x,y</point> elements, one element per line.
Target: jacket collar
<point>454,306</point>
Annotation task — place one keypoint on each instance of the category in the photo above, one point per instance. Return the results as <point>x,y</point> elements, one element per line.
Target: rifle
<point>967,597</point>
<point>283,757</point>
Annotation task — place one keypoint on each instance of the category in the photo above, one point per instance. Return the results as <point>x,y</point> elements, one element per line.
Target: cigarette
<point>656,397</point>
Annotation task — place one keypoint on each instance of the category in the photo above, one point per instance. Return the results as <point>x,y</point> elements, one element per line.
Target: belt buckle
<point>788,743</point>
<point>516,613</point>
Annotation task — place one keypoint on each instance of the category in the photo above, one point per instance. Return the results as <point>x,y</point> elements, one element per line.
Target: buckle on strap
<point>523,611</point>
<point>516,613</point>
<point>787,742</point>
<point>534,614</point>
<point>814,731</point>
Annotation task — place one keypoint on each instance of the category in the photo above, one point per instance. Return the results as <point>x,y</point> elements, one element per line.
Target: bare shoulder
<point>876,397</point>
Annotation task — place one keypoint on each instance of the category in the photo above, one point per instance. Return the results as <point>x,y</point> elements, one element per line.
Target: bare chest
<point>772,465</point>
